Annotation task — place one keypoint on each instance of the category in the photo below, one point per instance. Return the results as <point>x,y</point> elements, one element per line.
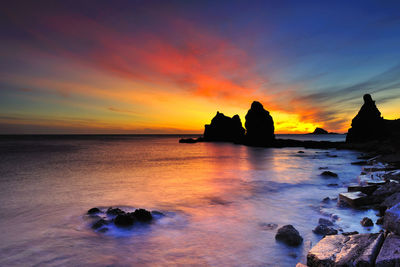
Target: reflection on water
<point>222,201</point>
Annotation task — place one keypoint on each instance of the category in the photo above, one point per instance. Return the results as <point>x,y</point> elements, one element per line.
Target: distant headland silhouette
<point>367,126</point>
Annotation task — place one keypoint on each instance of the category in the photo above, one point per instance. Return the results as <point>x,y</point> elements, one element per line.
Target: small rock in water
<point>124,220</point>
<point>380,221</point>
<point>322,168</point>
<point>289,235</point>
<point>300,152</point>
<point>326,222</point>
<point>366,222</point>
<point>115,211</point>
<point>332,185</point>
<point>325,230</point>
<point>99,223</point>
<point>93,211</point>
<point>268,226</point>
<point>142,215</point>
<point>329,173</point>
<point>326,200</point>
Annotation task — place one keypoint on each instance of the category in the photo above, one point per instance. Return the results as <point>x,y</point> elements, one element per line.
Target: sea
<point>222,203</point>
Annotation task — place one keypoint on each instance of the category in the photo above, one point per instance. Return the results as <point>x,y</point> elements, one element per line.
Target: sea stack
<point>259,125</point>
<point>225,129</point>
<point>368,124</point>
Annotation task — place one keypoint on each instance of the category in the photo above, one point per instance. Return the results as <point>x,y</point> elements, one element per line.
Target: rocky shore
<point>378,186</point>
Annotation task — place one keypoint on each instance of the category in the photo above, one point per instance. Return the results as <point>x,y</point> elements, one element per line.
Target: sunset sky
<point>169,66</point>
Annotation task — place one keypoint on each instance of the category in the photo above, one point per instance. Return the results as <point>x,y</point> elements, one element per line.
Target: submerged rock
<point>100,223</point>
<point>289,235</point>
<point>224,128</point>
<point>142,215</point>
<point>366,222</point>
<point>340,250</point>
<point>325,230</point>
<point>329,173</point>
<point>124,220</point>
<point>326,222</point>
<point>114,211</point>
<point>259,125</point>
<point>93,211</point>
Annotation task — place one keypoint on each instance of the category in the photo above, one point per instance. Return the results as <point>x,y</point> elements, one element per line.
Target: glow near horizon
<point>67,70</point>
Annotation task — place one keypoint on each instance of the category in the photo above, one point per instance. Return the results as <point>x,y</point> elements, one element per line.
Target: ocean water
<point>218,200</point>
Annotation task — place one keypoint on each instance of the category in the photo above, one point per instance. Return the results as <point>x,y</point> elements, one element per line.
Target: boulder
<point>384,191</point>
<point>326,222</point>
<point>93,211</point>
<point>366,222</point>
<point>390,252</point>
<point>259,125</point>
<point>224,128</point>
<point>355,199</point>
<point>390,201</point>
<point>391,220</point>
<point>124,220</point>
<point>289,235</point>
<point>142,215</point>
<point>340,250</point>
<point>98,224</point>
<point>325,230</point>
<point>114,211</point>
<point>329,173</point>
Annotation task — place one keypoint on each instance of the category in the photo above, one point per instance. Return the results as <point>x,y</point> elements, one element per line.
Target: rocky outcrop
<point>369,125</point>
<point>392,219</point>
<point>289,235</point>
<point>259,125</point>
<point>320,131</point>
<point>390,252</point>
<point>225,129</point>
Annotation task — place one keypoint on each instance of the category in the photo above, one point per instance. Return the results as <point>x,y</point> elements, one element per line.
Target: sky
<point>134,67</point>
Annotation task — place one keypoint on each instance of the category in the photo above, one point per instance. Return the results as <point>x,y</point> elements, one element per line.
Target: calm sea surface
<point>218,199</point>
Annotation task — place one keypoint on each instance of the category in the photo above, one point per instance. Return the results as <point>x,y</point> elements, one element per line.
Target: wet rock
<point>325,230</point>
<point>380,221</point>
<point>354,199</point>
<point>268,226</point>
<point>341,250</point>
<point>98,224</point>
<point>326,222</point>
<point>224,128</point>
<point>142,215</point>
<point>384,191</point>
<point>366,222</point>
<point>332,185</point>
<point>363,162</point>
<point>259,125</point>
<point>93,211</point>
<point>390,252</point>
<point>114,211</point>
<point>300,152</point>
<point>390,201</point>
<point>392,219</point>
<point>329,173</point>
<point>366,189</point>
<point>124,220</point>
<point>326,200</point>
<point>289,235</point>
<point>350,233</point>
<point>368,124</point>
<point>322,168</point>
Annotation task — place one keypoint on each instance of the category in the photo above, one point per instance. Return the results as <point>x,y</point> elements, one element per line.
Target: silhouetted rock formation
<point>320,131</point>
<point>368,124</point>
<point>259,125</point>
<point>223,128</point>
